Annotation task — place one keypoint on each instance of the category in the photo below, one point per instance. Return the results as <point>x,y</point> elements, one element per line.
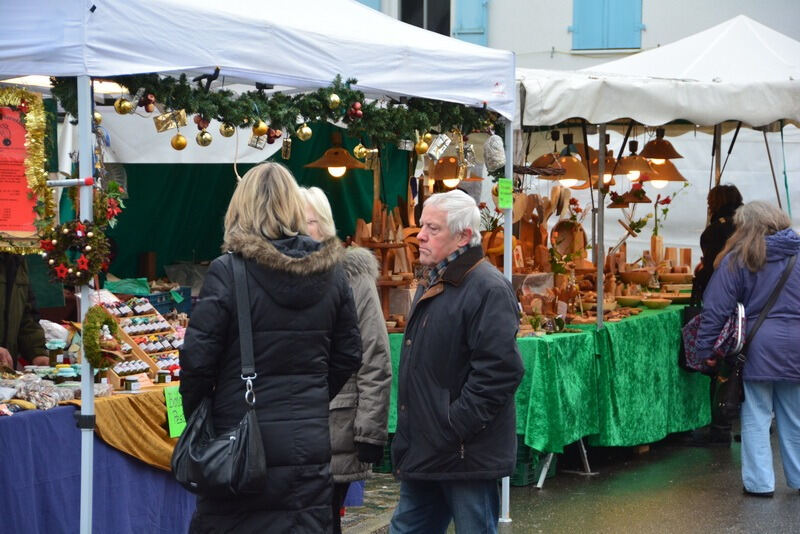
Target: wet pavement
<point>671,488</point>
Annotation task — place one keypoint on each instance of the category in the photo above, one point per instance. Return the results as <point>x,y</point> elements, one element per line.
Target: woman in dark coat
<point>306,345</point>
<point>723,201</point>
<point>748,270</point>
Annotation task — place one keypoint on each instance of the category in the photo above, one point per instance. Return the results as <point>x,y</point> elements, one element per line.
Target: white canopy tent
<point>739,70</point>
<point>302,44</point>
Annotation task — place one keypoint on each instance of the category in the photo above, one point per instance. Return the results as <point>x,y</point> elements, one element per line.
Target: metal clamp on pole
<point>71,182</point>
<point>84,421</point>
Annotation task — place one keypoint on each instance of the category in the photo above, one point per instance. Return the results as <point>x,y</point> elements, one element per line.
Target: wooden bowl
<point>676,278</point>
<point>656,304</point>
<point>635,277</point>
<point>629,301</point>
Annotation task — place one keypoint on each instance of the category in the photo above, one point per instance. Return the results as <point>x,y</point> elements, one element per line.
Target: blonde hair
<point>266,204</point>
<point>753,221</point>
<point>316,199</point>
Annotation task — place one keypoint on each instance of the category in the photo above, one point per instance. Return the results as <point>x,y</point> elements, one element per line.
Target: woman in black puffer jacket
<point>306,345</point>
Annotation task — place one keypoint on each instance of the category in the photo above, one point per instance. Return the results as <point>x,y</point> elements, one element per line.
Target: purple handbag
<point>729,341</point>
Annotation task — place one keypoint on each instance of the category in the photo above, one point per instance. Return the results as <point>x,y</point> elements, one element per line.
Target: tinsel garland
<point>382,121</point>
<point>31,110</point>
<point>75,251</point>
<point>93,323</point>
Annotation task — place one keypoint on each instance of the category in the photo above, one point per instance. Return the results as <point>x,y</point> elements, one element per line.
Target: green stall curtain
<point>177,210</point>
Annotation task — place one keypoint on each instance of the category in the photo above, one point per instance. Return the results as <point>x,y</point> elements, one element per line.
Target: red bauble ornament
<point>356,105</point>
<point>23,106</point>
<point>47,245</point>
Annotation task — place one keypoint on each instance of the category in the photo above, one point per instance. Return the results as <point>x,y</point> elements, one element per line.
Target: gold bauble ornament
<point>89,234</point>
<point>304,133</point>
<point>51,262</point>
<point>88,248</point>
<point>203,138</point>
<point>54,242</point>
<point>260,128</point>
<point>227,129</point>
<point>334,101</point>
<point>421,147</point>
<point>178,142</point>
<point>65,231</point>
<point>69,270</point>
<point>123,106</point>
<point>98,118</point>
<point>428,137</point>
<point>360,151</point>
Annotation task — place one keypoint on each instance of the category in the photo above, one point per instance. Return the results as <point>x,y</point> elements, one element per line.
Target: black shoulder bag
<point>729,390</point>
<point>233,462</point>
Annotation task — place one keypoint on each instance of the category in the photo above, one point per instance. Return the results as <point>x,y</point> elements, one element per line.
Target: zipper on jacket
<point>461,451</point>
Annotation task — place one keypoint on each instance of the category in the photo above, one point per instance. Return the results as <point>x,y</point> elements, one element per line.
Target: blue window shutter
<point>471,21</point>
<point>624,23</point>
<point>588,24</point>
<point>374,4</point>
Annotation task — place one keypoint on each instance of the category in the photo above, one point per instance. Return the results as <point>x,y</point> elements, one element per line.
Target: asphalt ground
<point>671,488</point>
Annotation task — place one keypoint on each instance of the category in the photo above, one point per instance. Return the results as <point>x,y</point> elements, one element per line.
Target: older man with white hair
<point>460,367</point>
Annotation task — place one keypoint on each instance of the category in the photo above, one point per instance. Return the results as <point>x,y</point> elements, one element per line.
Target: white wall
<point>537,29</point>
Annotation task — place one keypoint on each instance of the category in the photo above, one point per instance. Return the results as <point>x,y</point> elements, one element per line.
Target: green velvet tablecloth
<point>621,386</point>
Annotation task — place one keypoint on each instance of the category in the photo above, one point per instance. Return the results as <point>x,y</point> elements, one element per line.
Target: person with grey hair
<point>459,369</point>
<point>747,270</point>
<point>359,414</point>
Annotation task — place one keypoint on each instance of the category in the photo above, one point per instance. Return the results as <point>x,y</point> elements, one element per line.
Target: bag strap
<point>245,327</point>
<point>768,306</point>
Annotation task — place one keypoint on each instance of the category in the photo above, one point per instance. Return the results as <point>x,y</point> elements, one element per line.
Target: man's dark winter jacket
<point>458,373</point>
<point>306,345</point>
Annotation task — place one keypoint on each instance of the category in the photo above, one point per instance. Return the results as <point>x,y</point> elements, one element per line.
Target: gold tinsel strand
<point>35,173</point>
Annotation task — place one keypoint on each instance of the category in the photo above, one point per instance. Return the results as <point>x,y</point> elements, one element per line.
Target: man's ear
<point>466,237</point>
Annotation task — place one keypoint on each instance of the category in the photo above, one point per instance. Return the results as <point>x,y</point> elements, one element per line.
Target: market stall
<point>310,43</point>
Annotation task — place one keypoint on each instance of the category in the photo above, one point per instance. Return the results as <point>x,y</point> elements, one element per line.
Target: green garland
<point>380,121</point>
<point>95,318</point>
<point>75,251</point>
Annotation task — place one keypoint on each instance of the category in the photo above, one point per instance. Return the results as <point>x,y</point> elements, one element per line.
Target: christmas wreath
<point>75,251</point>
<point>96,318</point>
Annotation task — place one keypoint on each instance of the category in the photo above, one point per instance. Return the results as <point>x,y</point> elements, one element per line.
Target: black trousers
<point>339,493</point>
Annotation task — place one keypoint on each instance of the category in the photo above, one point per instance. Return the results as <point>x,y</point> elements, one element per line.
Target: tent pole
<point>717,153</point>
<point>505,494</point>
<point>601,168</point>
<point>86,413</point>
<point>772,169</point>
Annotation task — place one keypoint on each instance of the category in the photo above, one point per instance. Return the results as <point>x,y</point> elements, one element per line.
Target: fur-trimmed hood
<point>299,255</point>
<point>359,261</point>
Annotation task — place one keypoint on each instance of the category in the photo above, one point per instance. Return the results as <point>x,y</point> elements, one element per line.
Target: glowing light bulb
<point>450,183</point>
<point>657,161</point>
<point>634,175</point>
<point>568,182</point>
<point>337,172</point>
<point>659,184</point>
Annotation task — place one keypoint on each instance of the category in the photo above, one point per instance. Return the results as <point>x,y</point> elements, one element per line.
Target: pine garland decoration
<point>93,323</point>
<point>382,121</point>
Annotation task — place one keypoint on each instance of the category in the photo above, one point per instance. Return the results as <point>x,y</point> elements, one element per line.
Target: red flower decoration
<point>637,186</point>
<point>482,205</point>
<point>665,201</point>
<point>80,227</point>
<point>46,244</point>
<point>104,266</point>
<point>573,201</point>
<point>83,263</point>
<point>61,271</point>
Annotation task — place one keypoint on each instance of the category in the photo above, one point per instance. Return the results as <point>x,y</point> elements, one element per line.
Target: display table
<point>621,386</point>
<point>40,482</point>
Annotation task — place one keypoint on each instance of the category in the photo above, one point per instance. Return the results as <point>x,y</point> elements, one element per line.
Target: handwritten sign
<point>504,196</point>
<point>175,418</point>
